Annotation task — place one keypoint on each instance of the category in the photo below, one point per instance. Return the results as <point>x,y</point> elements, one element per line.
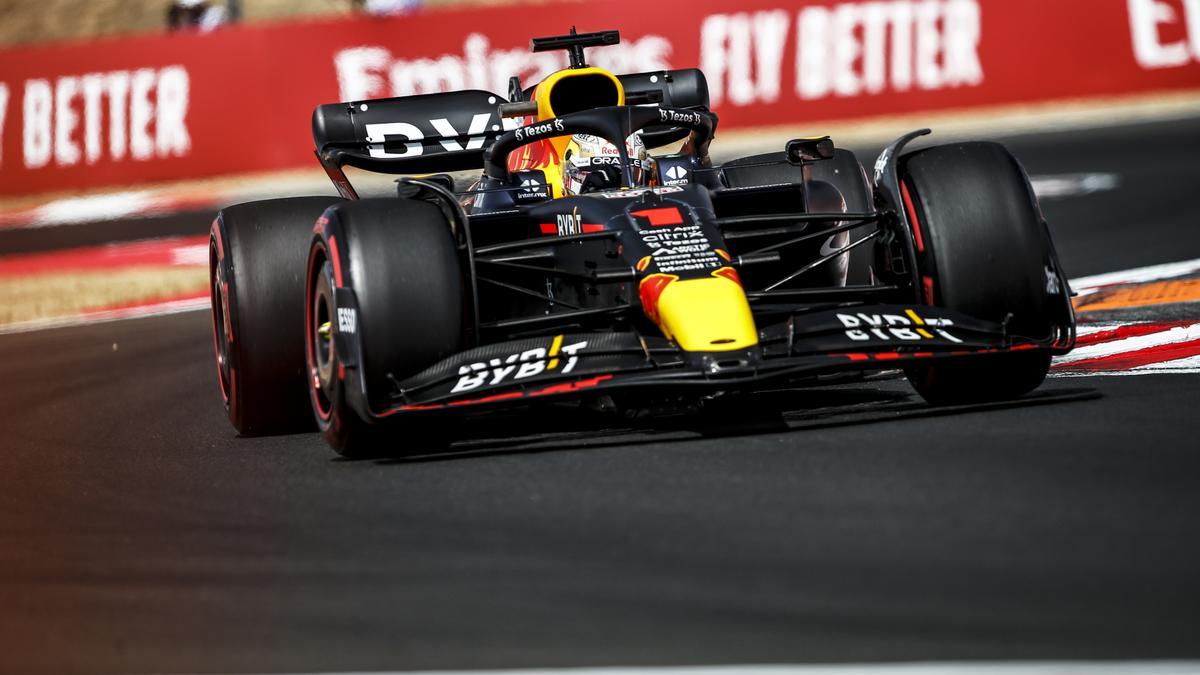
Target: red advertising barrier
<point>129,111</point>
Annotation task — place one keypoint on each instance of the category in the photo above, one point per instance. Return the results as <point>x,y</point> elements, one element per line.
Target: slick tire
<point>399,259</point>
<point>256,279</point>
<point>983,250</point>
<point>844,172</point>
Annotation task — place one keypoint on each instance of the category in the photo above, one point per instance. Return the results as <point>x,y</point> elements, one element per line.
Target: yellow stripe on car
<point>707,315</point>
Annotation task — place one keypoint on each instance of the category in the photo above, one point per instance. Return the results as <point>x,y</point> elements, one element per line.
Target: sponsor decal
<point>347,320</point>
<point>673,172</point>
<point>537,130</point>
<point>569,224</point>
<point>532,190</point>
<point>557,358</point>
<point>563,388</point>
<point>685,257</point>
<point>889,327</point>
<point>411,135</point>
<point>676,246</point>
<point>533,187</point>
<point>668,115</point>
<point>829,246</point>
<point>1053,287</point>
<point>849,49</point>
<point>676,173</point>
<point>881,163</point>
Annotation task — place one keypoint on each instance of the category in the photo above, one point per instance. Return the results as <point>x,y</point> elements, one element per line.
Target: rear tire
<point>399,258</point>
<point>983,250</point>
<point>256,279</point>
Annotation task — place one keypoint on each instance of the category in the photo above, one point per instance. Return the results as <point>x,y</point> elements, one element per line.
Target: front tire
<point>399,259</point>
<point>983,250</point>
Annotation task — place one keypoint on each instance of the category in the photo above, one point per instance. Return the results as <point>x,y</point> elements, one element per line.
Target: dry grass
<point>47,296</point>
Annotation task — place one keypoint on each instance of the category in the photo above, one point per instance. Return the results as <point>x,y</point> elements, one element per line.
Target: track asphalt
<point>845,523</point>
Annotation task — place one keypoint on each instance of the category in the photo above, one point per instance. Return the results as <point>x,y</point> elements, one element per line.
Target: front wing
<point>859,338</point>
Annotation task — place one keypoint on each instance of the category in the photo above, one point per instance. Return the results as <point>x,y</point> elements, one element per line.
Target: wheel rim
<point>321,353</point>
<point>219,290</point>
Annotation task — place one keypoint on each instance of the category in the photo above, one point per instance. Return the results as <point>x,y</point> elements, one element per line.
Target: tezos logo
<point>525,133</point>
<point>673,116</point>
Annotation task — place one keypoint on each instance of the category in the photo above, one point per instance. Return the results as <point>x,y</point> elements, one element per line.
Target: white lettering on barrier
<point>848,49</point>
<point>118,93</point>
<point>93,90</point>
<point>171,136</point>
<point>359,72</point>
<point>66,151</point>
<point>141,111</point>
<point>39,99</point>
<point>3,115</point>
<point>371,71</point>
<point>64,121</point>
<point>1147,17</point>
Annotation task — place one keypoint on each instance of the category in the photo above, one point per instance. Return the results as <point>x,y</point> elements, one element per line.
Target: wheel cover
<point>320,350</point>
<point>222,329</point>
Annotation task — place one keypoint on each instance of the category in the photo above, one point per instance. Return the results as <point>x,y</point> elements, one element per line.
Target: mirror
<point>800,150</point>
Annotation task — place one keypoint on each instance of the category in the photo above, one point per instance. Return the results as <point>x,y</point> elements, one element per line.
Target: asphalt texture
<point>841,523</point>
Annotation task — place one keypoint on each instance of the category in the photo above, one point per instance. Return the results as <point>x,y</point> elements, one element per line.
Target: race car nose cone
<point>707,315</point>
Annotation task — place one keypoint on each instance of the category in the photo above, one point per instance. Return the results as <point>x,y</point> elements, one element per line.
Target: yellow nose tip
<point>707,315</point>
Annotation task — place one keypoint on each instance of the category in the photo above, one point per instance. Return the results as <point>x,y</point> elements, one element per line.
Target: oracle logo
<point>1165,33</point>
<point>849,49</point>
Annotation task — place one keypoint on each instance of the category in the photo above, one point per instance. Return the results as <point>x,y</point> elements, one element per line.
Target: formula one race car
<point>582,265</point>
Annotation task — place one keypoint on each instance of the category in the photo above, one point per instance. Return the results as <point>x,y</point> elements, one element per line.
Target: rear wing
<point>430,133</point>
<point>409,134</point>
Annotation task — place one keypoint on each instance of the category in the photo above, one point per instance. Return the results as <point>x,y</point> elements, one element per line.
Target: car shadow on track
<point>777,411</point>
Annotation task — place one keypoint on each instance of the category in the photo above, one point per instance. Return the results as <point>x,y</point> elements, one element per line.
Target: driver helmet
<point>587,154</point>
